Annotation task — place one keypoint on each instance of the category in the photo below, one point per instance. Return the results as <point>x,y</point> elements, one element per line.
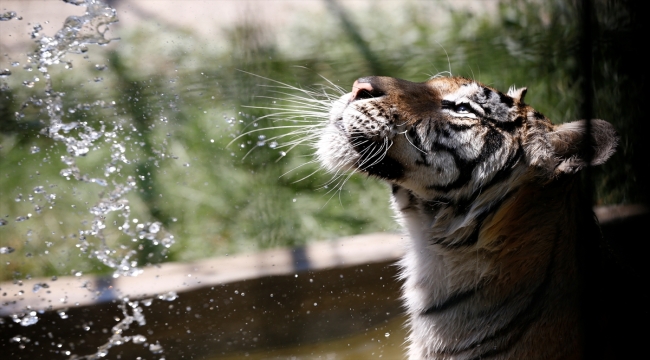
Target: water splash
<point>77,33</point>
<point>80,138</point>
<point>132,312</point>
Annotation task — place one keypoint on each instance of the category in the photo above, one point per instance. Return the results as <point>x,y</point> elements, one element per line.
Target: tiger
<point>489,193</point>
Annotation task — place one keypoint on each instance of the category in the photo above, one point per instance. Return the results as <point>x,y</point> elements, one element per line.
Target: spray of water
<point>80,138</point>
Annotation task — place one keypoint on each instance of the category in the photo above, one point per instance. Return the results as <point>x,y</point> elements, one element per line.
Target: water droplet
<point>167,242</point>
<point>29,319</point>
<point>39,190</point>
<point>78,150</point>
<point>68,160</point>
<point>40,286</point>
<point>155,348</point>
<point>273,144</point>
<point>100,67</point>
<point>6,250</point>
<point>19,338</point>
<point>34,149</point>
<point>8,16</point>
<point>138,339</point>
<point>154,227</point>
<point>29,84</point>
<point>387,334</point>
<point>100,182</point>
<point>170,296</point>
<point>62,313</point>
<point>5,72</point>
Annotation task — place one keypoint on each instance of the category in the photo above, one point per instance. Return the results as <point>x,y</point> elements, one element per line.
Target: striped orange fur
<point>487,190</point>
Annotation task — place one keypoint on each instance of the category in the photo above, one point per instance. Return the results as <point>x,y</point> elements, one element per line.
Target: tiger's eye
<point>462,108</point>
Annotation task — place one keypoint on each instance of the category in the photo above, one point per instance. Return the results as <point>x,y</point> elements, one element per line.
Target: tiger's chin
<point>334,151</point>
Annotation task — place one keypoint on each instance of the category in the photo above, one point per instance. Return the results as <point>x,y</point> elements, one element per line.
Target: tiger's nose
<point>363,89</point>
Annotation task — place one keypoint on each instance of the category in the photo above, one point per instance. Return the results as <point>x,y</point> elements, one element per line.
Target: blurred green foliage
<point>177,103</point>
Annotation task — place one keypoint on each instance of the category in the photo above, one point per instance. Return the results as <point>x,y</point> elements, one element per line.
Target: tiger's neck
<point>494,277</point>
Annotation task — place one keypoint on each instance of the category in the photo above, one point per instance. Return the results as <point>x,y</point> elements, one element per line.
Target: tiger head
<point>452,136</point>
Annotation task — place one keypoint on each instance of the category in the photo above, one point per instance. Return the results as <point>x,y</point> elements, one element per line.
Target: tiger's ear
<point>517,94</point>
<point>567,142</point>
